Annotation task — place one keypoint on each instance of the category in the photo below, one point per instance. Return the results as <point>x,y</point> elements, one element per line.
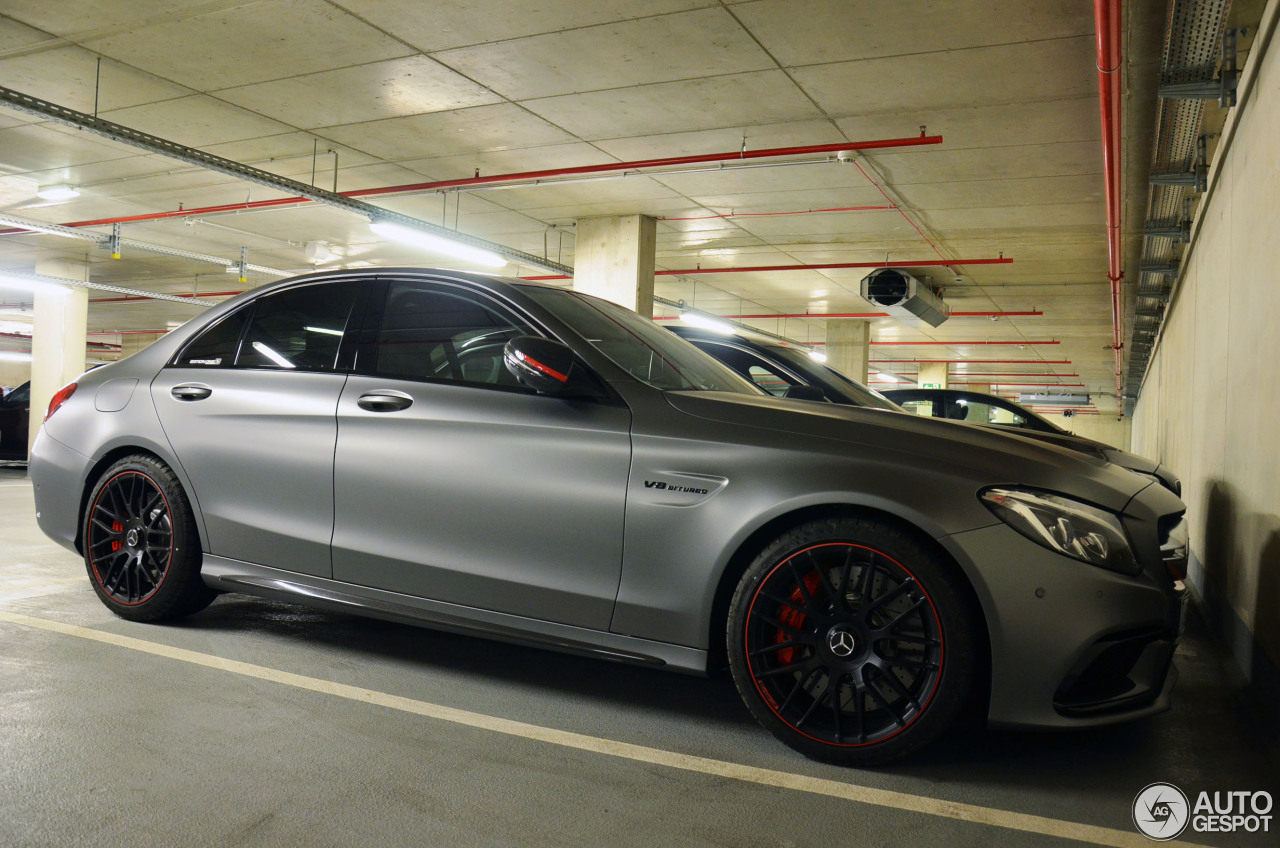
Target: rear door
<point>456,484</point>
<point>249,407</point>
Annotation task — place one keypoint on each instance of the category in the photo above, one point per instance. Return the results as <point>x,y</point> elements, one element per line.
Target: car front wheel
<point>141,547</point>
<point>851,642</point>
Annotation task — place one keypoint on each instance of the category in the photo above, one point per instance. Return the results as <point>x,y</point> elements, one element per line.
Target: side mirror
<point>539,364</point>
<point>801,392</point>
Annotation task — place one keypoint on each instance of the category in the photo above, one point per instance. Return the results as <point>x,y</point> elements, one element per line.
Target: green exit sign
<point>930,385</point>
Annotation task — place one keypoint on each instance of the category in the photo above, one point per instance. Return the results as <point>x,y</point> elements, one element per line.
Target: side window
<point>755,369</point>
<point>216,346</point>
<point>768,380</point>
<point>975,410</point>
<point>299,328</point>
<point>439,333</point>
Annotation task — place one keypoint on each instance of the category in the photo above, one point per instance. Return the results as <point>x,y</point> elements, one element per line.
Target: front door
<point>454,483</point>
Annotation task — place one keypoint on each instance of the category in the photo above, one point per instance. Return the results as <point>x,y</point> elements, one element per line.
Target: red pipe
<point>765,153</point>
<point>133,297</point>
<point>744,269</point>
<point>1029,344</point>
<point>850,315</point>
<point>771,214</point>
<point>769,152</point>
<point>1003,383</point>
<point>981,361</point>
<point>1106,14</point>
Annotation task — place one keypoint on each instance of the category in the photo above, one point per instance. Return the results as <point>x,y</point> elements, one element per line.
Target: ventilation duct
<point>904,297</point>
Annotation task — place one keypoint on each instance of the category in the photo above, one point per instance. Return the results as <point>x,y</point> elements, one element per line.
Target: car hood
<point>984,456</point>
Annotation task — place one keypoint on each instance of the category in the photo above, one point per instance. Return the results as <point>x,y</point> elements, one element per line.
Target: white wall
<point>1210,403</point>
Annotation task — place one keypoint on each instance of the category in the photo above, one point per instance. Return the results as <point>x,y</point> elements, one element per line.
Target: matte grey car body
<point>616,519</point>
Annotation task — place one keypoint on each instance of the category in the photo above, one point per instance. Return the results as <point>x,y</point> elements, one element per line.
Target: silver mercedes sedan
<point>532,464</point>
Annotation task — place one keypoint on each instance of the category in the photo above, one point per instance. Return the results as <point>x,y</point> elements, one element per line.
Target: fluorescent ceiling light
<point>324,330</point>
<point>437,244</point>
<point>14,356</point>
<point>706,322</point>
<point>59,191</point>
<point>14,281</point>
<point>893,378</point>
<point>817,356</point>
<point>272,355</point>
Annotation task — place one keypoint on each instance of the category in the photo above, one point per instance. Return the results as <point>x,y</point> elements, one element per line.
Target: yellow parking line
<point>638,753</point>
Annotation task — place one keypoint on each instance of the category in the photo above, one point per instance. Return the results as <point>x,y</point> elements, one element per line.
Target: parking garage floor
<point>258,723</point>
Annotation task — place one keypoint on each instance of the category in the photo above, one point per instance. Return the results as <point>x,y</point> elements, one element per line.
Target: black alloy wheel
<point>141,548</point>
<point>848,641</point>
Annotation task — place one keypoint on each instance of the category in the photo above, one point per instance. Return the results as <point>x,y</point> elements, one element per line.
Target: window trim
<point>250,309</point>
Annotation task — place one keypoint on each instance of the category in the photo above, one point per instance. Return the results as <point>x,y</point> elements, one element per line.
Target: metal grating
<point>1192,46</point>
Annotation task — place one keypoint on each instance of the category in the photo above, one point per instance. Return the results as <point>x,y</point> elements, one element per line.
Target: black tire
<point>141,547</point>
<point>866,605</point>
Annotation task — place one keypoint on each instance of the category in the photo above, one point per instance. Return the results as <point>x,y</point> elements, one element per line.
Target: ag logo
<point>1161,812</point>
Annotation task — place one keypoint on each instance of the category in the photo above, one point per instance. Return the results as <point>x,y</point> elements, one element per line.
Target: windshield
<point>638,346</point>
<point>853,390</point>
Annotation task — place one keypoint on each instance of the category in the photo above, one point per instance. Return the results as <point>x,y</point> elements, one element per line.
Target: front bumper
<point>1072,645</point>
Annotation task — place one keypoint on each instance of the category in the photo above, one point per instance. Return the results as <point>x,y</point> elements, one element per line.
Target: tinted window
<point>19,397</point>
<point>975,410</point>
<point>216,346</point>
<point>638,346</point>
<point>760,372</point>
<point>438,333</point>
<point>299,328</point>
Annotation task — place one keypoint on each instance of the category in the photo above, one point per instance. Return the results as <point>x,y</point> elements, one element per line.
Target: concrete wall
<point>1210,403</point>
<point>1102,428</point>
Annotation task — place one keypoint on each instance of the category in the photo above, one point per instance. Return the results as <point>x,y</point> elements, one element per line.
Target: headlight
<point>1064,525</point>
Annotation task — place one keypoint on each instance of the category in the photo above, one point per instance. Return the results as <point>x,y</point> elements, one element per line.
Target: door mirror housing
<point>803,392</point>
<point>543,365</point>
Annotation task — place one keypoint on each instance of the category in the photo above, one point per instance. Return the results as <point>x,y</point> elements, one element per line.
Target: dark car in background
<point>15,417</point>
<point>779,368</point>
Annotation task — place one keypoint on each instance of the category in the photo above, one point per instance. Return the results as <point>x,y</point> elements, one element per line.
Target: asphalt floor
<point>261,723</point>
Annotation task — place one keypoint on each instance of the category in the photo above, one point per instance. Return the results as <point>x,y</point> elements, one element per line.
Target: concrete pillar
<point>933,375</point>
<point>134,342</point>
<point>59,328</point>
<point>613,258</point>
<point>848,347</point>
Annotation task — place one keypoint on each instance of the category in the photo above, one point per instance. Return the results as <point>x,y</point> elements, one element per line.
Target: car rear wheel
<point>851,642</point>
<point>141,547</point>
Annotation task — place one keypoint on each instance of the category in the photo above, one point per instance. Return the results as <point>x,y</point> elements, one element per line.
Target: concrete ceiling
<point>406,91</point>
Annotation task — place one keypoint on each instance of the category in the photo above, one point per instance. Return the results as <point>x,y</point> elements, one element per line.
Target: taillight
<point>59,398</point>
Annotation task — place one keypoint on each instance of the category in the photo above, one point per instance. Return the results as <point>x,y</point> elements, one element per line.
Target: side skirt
<point>228,575</point>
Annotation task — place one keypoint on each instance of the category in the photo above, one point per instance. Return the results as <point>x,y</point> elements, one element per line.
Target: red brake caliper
<point>793,618</point>
<point>116,527</point>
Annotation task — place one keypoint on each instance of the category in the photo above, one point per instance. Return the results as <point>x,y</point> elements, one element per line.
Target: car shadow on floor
<point>1208,737</point>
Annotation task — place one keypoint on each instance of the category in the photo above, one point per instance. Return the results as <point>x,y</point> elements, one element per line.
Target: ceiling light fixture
<point>437,244</point>
<point>706,321</point>
<point>58,191</point>
<point>893,378</point>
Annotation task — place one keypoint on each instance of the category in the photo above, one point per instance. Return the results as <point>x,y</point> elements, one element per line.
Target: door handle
<point>384,401</point>
<point>191,391</point>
